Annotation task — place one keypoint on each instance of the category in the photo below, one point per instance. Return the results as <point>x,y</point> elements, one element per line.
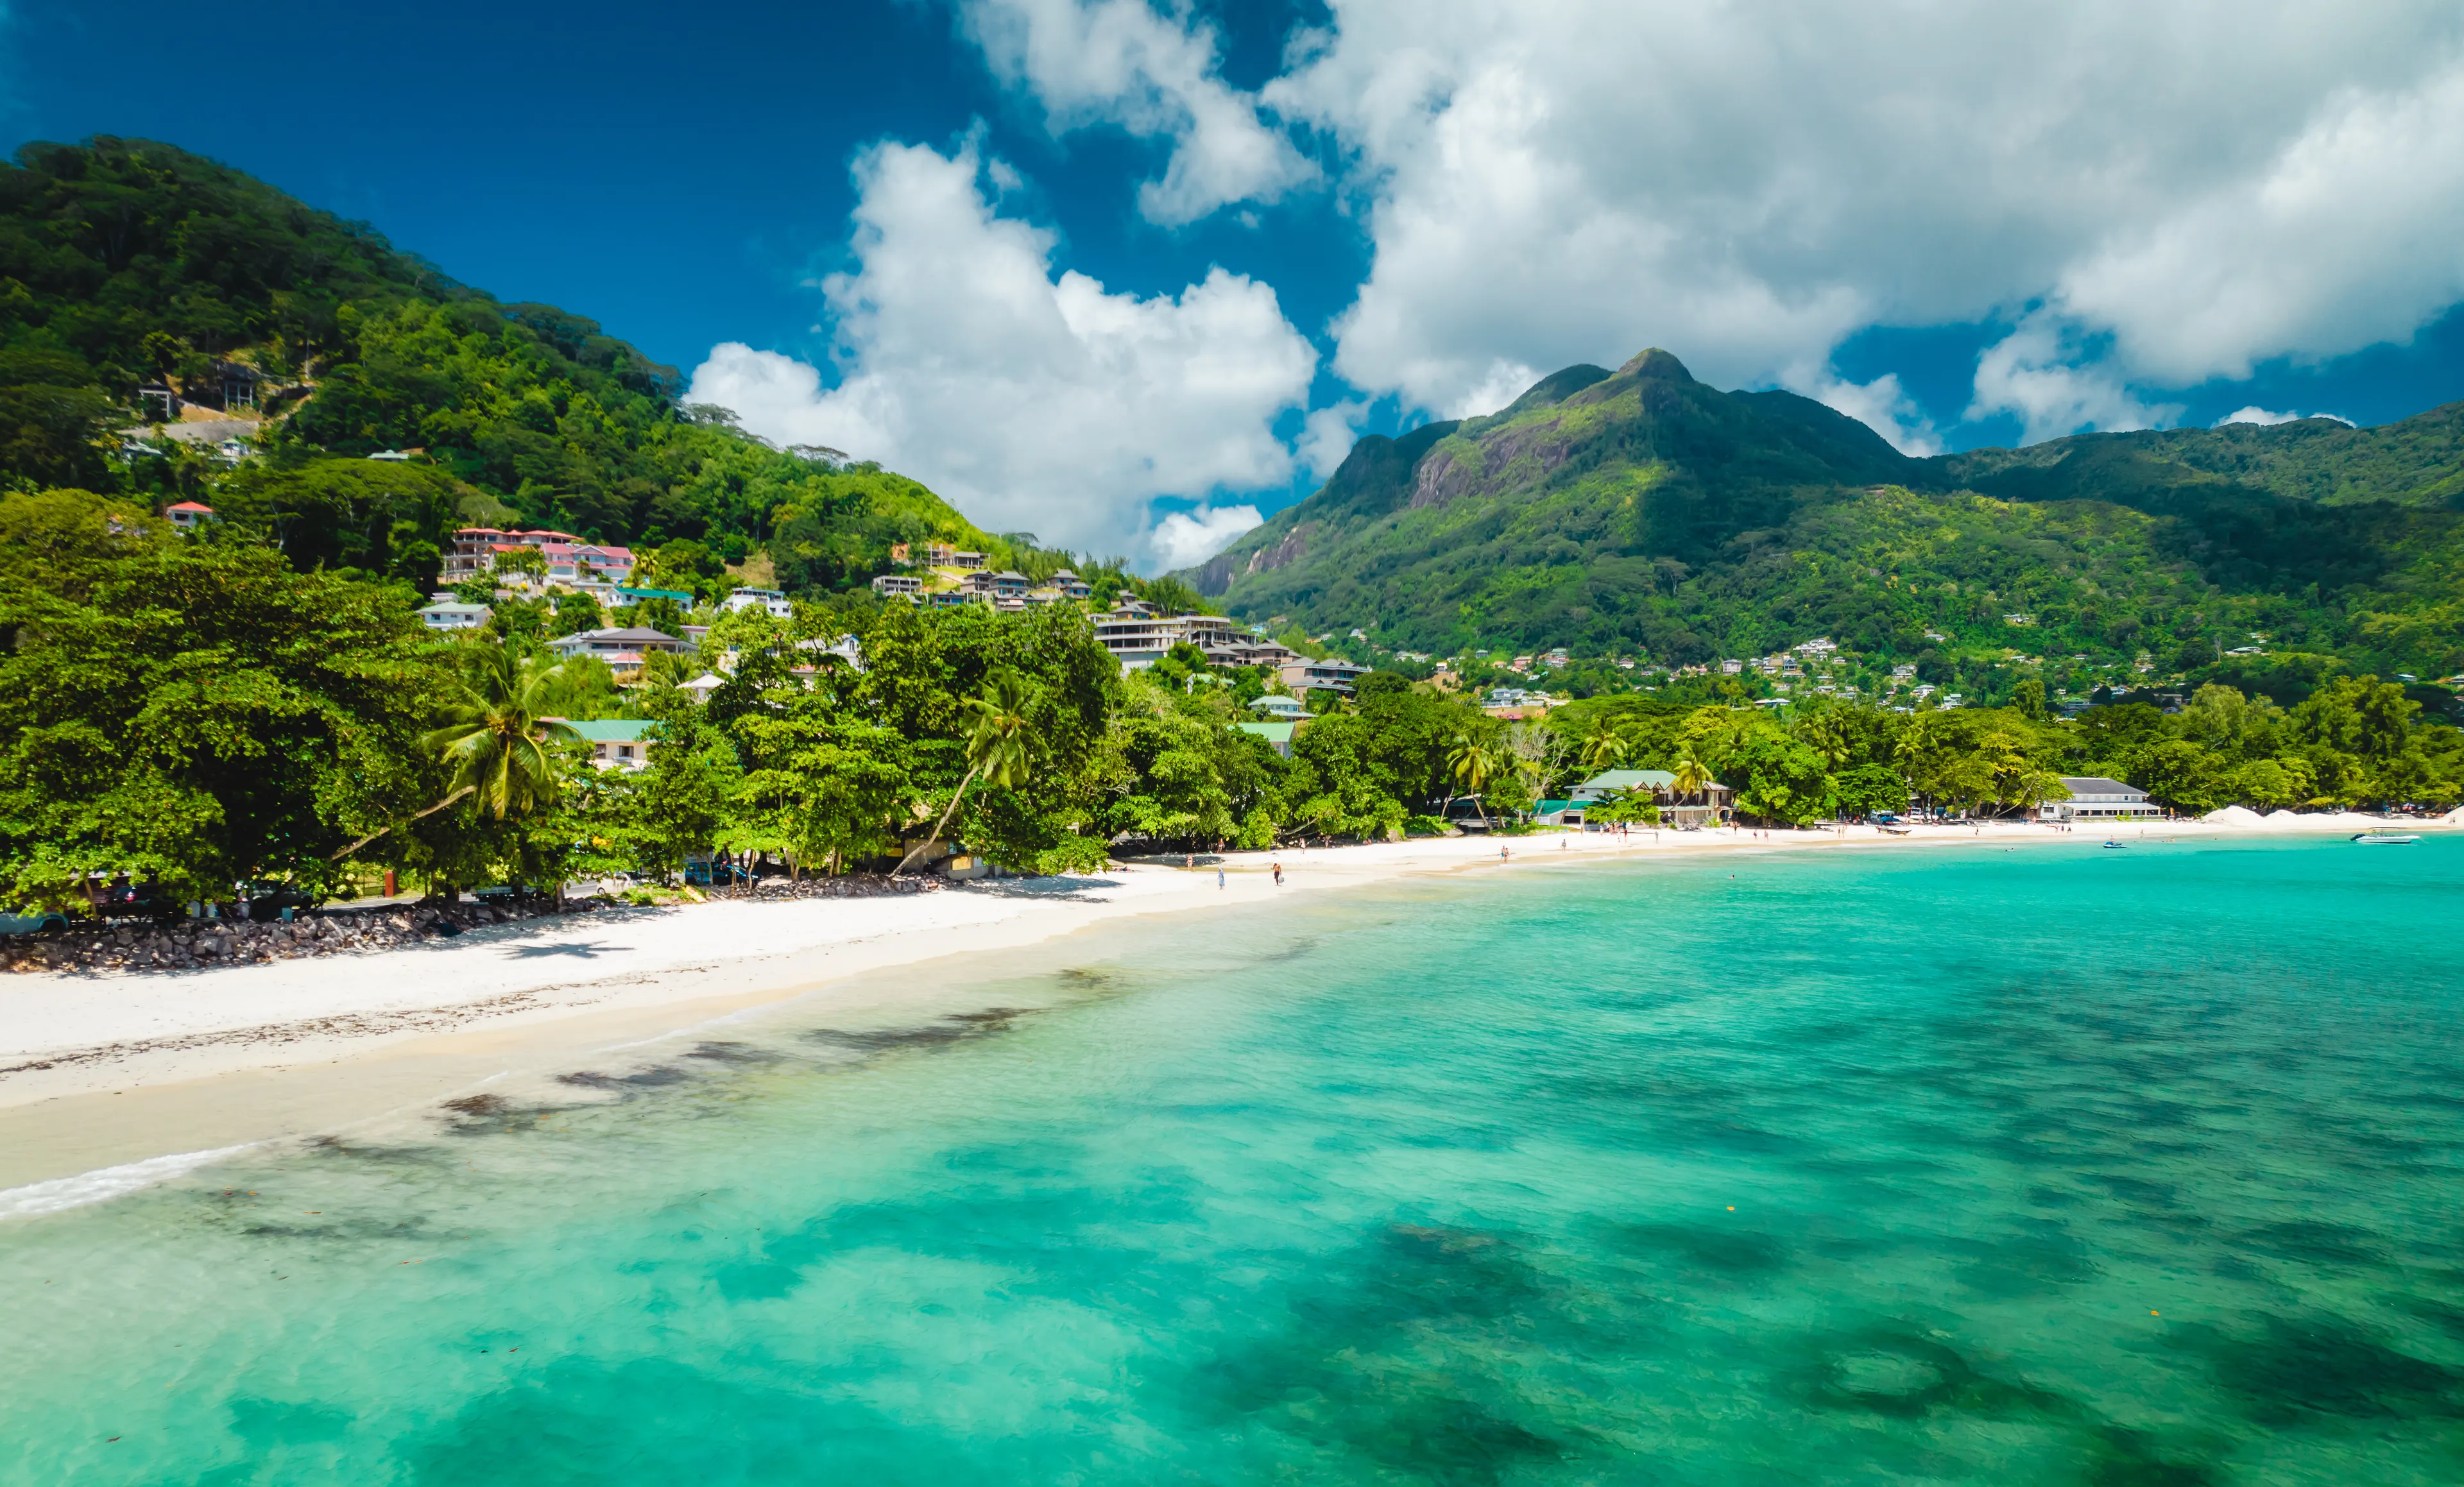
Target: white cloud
<point>2194,188</point>
<point>1033,401</point>
<point>1118,62</point>
<point>2039,373</point>
<point>1881,406</point>
<point>1327,434</point>
<point>1185,538</point>
<point>1502,383</point>
<point>2256,414</point>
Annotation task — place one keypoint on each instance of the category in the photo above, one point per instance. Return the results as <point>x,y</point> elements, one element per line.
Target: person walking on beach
<point>1279,875</point>
<point>1219,877</point>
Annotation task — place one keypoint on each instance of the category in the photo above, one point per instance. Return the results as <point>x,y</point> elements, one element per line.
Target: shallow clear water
<point>2055,1166</point>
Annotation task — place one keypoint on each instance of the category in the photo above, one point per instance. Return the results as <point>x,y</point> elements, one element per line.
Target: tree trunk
<point>937,827</point>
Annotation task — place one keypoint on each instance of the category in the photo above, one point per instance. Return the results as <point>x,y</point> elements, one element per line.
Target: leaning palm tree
<point>497,736</point>
<point>1473,763</point>
<point>998,746</point>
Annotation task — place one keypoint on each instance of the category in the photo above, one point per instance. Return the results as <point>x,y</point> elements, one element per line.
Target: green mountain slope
<point>124,263</point>
<point>1645,513</point>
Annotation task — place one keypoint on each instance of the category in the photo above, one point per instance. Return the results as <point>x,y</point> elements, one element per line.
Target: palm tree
<point>1607,749</point>
<point>996,747</point>
<point>1473,764</point>
<point>496,734</point>
<point>1691,775</point>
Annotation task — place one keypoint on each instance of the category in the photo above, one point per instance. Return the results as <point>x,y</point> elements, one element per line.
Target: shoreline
<point>104,1073</point>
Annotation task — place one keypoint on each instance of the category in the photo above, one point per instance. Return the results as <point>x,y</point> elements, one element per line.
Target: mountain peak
<point>1657,364</point>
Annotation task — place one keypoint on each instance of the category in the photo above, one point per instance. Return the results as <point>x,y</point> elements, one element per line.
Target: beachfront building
<point>616,743</point>
<point>1710,805</point>
<point>770,600</point>
<point>445,613</point>
<point>2097,799</point>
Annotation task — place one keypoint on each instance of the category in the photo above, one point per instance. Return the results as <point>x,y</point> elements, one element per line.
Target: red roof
<point>189,505</point>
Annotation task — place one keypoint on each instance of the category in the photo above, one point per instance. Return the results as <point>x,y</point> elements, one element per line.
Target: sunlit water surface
<point>2054,1166</point>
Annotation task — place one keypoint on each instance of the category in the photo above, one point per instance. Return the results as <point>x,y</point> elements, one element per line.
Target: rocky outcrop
<point>1213,576</point>
<point>1290,550</point>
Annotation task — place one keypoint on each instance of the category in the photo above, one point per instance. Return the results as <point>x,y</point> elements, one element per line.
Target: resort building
<point>901,585</point>
<point>616,743</point>
<point>1139,635</point>
<point>1275,705</point>
<point>771,600</point>
<point>1070,585</point>
<point>188,515</point>
<point>2097,799</point>
<point>1333,674</point>
<point>1710,804</point>
<point>570,559</point>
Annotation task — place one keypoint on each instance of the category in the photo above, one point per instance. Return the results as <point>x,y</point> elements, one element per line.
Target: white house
<point>447,614</point>
<point>771,600</point>
<point>616,743</point>
<point>2097,799</point>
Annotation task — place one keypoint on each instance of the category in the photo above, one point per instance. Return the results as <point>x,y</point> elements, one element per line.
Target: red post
<point>389,892</point>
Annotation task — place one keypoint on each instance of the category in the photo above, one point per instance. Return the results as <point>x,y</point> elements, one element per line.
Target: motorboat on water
<point>2381,837</point>
<point>2115,846</point>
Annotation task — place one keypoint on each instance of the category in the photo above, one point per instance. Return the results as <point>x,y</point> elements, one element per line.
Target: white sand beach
<point>100,1070</point>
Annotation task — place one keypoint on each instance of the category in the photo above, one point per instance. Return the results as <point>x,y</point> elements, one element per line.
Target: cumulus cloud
<point>1183,540</point>
<point>1033,401</point>
<point>2191,188</point>
<point>2039,373</point>
<point>1881,406</point>
<point>1327,434</point>
<point>1117,62</point>
<point>2255,414</point>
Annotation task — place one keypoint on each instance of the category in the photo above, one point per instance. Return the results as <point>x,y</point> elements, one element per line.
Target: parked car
<point>33,922</point>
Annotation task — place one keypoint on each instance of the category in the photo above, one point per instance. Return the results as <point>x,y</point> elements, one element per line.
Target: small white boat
<point>2385,838</point>
<point>2116,846</point>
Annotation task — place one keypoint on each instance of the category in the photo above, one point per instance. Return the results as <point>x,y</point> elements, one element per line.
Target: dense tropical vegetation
<point>127,264</point>
<point>194,711</point>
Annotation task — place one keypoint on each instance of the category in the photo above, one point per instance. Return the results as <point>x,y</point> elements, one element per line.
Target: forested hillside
<point>125,263</point>
<point>1644,515</point>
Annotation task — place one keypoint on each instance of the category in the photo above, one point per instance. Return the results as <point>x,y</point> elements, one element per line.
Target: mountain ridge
<point>1644,513</point>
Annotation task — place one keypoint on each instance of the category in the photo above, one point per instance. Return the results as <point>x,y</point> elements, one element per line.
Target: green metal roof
<point>1272,733</point>
<point>612,730</point>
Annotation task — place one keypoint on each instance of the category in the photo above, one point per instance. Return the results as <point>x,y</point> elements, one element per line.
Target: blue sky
<point>1129,276</point>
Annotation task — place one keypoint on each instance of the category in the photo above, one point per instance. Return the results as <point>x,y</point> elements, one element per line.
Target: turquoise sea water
<point>2056,1165</point>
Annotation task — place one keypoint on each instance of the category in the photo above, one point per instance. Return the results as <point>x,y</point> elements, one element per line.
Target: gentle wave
<point>104,1183</point>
